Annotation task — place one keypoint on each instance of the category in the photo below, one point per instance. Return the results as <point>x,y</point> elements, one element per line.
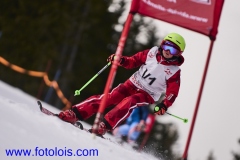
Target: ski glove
<point>111,59</point>
<point>160,109</point>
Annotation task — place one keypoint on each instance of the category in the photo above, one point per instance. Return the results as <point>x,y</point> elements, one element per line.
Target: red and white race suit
<point>154,77</point>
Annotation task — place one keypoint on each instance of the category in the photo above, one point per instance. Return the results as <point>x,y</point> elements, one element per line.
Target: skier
<point>135,124</point>
<point>159,73</point>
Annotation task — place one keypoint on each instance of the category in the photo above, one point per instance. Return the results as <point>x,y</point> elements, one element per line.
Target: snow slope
<point>23,126</point>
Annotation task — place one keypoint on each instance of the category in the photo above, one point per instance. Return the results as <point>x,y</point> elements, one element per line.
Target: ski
<point>77,124</point>
<point>48,112</point>
<point>45,111</point>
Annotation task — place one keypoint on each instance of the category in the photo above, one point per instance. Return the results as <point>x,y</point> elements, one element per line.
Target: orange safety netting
<point>43,75</point>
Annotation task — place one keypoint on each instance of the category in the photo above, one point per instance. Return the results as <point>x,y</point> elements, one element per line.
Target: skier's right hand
<point>111,59</point>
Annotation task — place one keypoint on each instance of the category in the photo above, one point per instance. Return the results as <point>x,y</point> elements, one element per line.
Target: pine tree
<point>74,37</point>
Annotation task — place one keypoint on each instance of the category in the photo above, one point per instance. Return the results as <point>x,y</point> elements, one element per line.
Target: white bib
<point>152,76</point>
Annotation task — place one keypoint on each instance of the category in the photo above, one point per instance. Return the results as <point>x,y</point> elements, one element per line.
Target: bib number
<point>147,76</point>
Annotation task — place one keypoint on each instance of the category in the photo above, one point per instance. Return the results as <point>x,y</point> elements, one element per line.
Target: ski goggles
<point>171,47</point>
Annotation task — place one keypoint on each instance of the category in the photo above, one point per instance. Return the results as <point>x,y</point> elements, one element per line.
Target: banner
<point>201,16</point>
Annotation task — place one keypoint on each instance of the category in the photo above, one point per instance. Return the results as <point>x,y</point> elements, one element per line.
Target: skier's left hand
<point>160,109</point>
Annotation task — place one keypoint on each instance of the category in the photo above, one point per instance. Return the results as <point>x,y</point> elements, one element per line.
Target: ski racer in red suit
<point>159,73</point>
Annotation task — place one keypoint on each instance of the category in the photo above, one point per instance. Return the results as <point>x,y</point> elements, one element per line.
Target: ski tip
<point>40,104</point>
<point>79,125</point>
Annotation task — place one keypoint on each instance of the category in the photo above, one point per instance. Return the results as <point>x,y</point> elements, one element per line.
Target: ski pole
<point>185,120</point>
<point>77,92</point>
